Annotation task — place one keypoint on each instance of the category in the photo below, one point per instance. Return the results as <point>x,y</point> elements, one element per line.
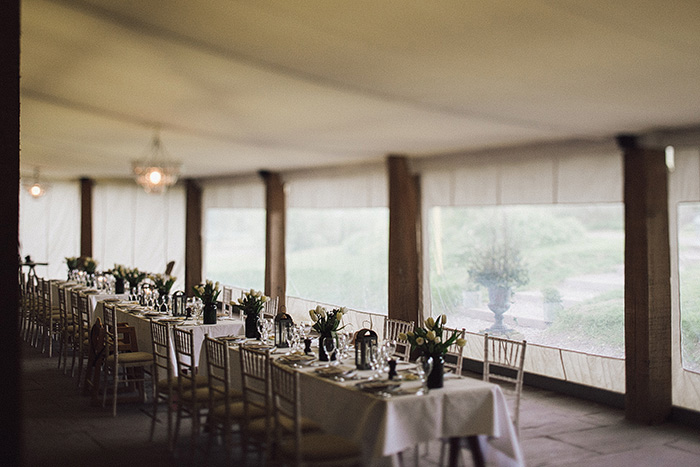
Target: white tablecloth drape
<point>384,427</point>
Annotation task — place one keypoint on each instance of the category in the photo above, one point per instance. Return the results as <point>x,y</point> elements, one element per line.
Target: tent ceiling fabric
<point>239,86</point>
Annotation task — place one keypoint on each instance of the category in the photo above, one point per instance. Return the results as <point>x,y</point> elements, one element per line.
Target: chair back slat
<point>270,308</point>
<point>160,338</point>
<point>504,362</point>
<point>218,371</point>
<point>286,402</point>
<point>454,356</point>
<point>184,357</point>
<point>255,380</point>
<point>392,329</point>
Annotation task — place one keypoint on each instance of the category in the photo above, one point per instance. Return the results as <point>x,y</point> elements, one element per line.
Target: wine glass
<point>262,329</point>
<point>342,346</point>
<point>376,364</point>
<point>329,347</point>
<point>424,367</point>
<point>390,348</point>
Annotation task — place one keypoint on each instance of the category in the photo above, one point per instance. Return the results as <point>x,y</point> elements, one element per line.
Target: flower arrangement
<point>134,277</point>
<point>72,262</point>
<point>163,283</point>
<point>430,339</point>
<point>119,271</point>
<point>327,322</point>
<point>252,302</point>
<point>207,292</point>
<point>89,265</point>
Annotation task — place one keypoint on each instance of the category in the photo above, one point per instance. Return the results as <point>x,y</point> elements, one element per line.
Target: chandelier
<point>156,172</point>
<point>34,187</point>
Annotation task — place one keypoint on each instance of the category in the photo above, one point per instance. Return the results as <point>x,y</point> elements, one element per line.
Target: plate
<point>334,371</point>
<point>169,320</point>
<point>152,314</point>
<point>377,385</point>
<point>297,359</point>
<point>260,347</point>
<point>232,339</point>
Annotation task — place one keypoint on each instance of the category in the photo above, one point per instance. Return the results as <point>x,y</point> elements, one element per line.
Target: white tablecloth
<point>224,327</point>
<point>93,298</point>
<point>384,427</point>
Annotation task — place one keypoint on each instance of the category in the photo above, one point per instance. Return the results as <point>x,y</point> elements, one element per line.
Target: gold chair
<point>226,407</point>
<point>51,318</point>
<point>165,388</point>
<point>226,297</point>
<point>193,390</point>
<point>34,310</point>
<point>270,308</point>
<point>23,302</point>
<point>303,448</point>
<point>392,329</point>
<point>79,331</point>
<point>66,328</point>
<point>123,355</point>
<point>454,357</point>
<point>504,360</point>
<point>255,382</point>
<point>83,338</point>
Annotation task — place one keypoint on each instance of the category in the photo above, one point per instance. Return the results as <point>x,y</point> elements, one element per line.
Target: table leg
<point>474,447</point>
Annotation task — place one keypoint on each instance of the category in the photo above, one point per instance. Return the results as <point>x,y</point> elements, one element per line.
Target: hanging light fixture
<point>156,172</point>
<point>34,187</point>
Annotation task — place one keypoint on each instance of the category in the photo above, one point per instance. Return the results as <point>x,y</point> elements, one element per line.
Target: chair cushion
<point>319,446</point>
<point>133,358</point>
<point>236,411</point>
<point>199,382</point>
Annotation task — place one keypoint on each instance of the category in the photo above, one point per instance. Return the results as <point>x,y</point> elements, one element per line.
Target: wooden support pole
<point>193,235</point>
<point>11,431</point>
<point>647,285</point>
<point>275,228</point>
<point>404,251</point>
<point>86,185</point>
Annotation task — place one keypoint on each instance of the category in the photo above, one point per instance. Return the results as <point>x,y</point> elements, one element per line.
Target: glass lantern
<point>283,328</point>
<point>178,303</point>
<point>365,340</point>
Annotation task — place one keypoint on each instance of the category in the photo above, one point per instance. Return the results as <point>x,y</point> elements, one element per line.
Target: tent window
<point>339,256</point>
<point>562,263</point>
<point>689,281</point>
<point>234,252</point>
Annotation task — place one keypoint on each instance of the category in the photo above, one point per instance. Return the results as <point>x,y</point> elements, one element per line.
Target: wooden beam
<point>275,228</point>
<point>647,285</point>
<point>10,344</point>
<point>404,251</point>
<point>193,235</point>
<point>86,185</point>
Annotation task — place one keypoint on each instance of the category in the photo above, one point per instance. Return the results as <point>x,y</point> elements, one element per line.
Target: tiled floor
<point>62,429</point>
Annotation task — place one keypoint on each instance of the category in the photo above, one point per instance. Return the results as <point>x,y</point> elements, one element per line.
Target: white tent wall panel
<point>353,187</point>
<point>684,185</point>
<point>234,193</point>
<point>49,227</point>
<point>133,228</point>
<point>549,174</point>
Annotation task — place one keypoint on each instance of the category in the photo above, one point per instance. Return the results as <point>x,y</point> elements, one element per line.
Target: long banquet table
<point>223,327</point>
<point>385,426</point>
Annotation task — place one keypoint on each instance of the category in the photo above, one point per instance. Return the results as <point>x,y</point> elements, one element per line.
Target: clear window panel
<point>235,247</point>
<point>551,274</point>
<point>689,279</point>
<point>339,256</point>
